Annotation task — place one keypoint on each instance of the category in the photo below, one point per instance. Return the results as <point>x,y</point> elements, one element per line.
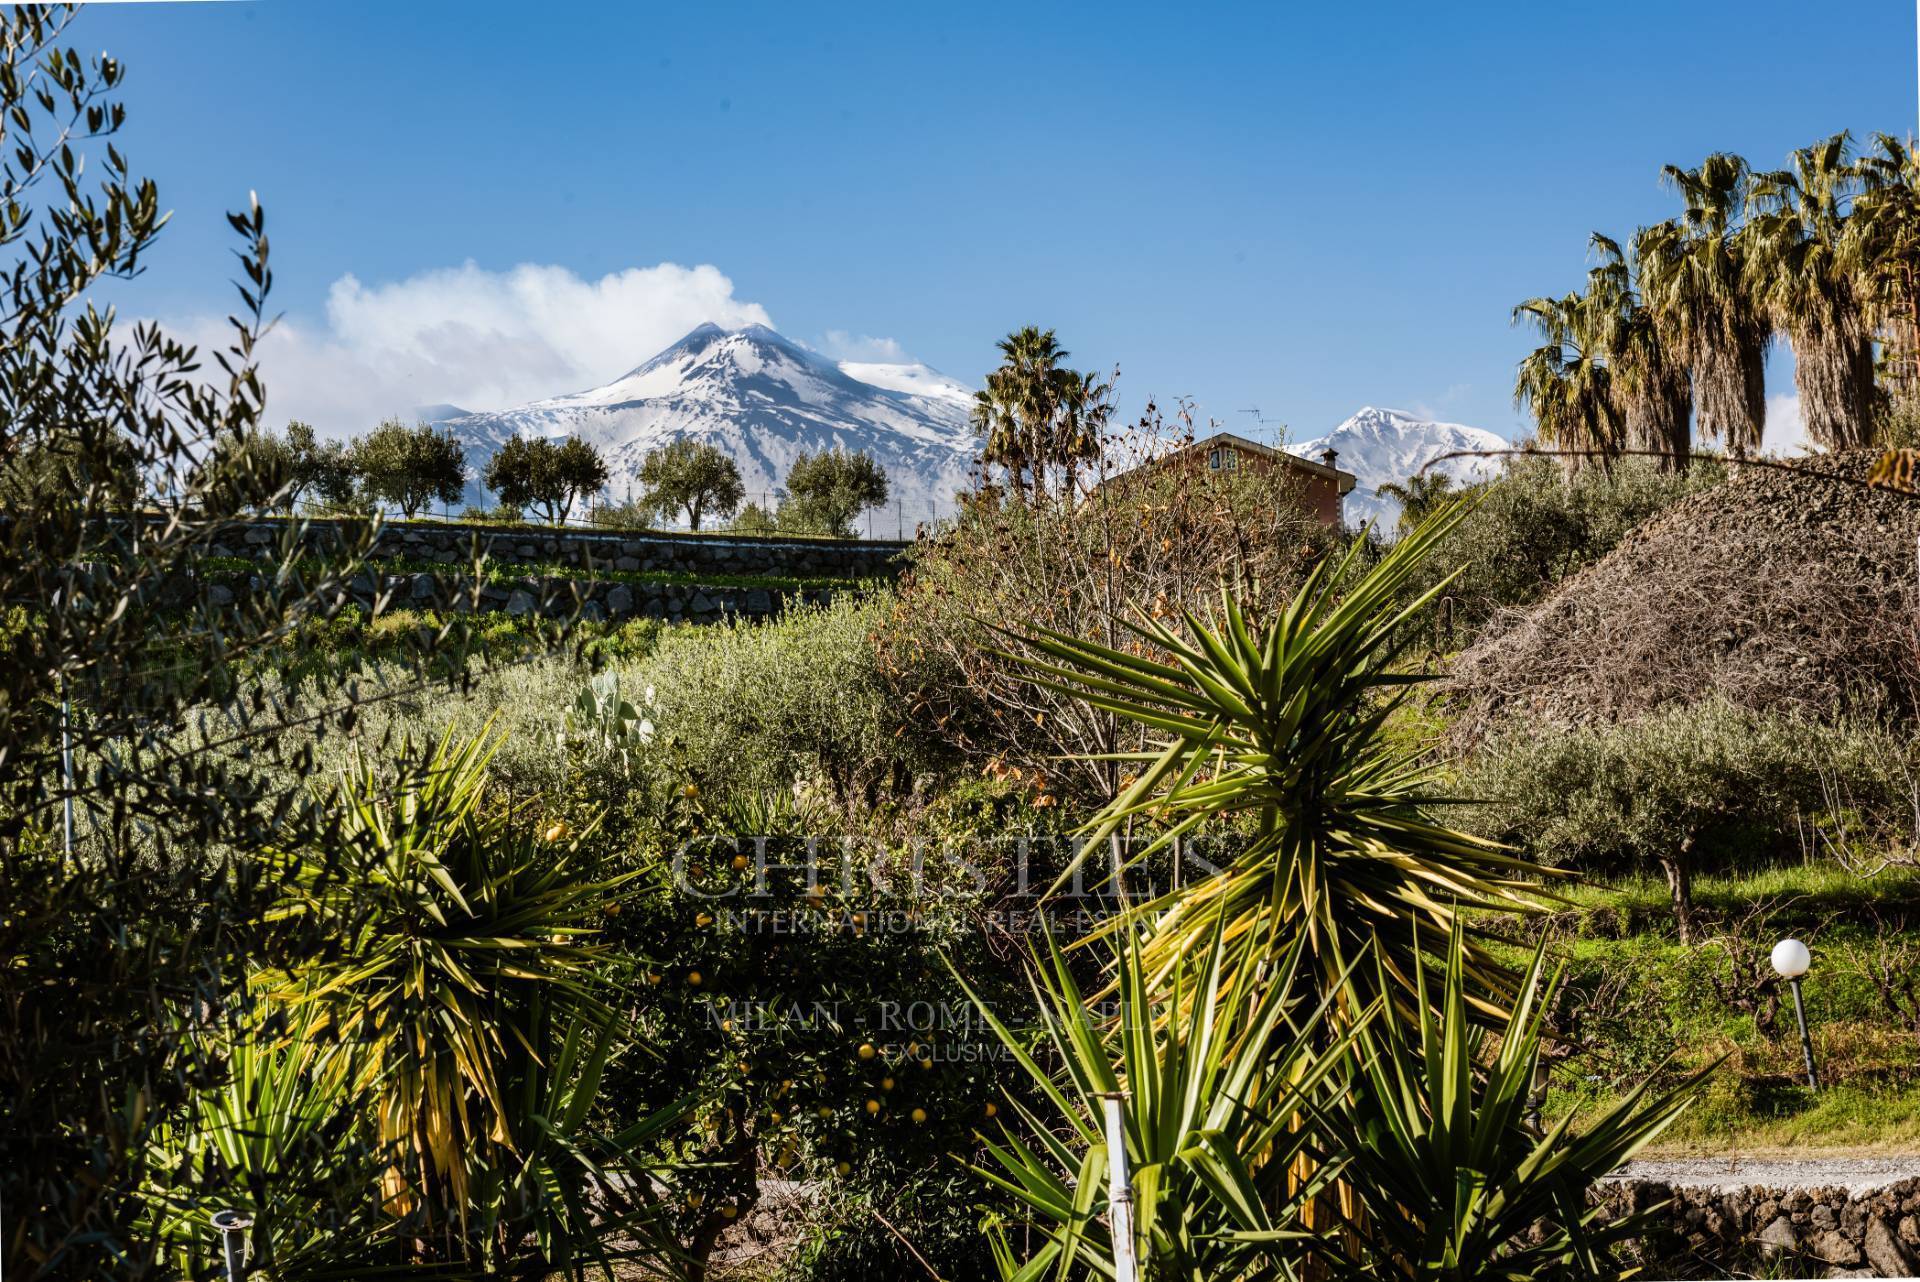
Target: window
<point>1223,460</point>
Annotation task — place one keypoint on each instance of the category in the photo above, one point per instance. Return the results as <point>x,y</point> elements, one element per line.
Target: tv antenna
<point>1259,422</point>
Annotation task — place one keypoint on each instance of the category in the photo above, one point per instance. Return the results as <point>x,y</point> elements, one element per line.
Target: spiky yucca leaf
<point>1214,1071</point>
<point>456,914</point>
<point>1449,1181</point>
<point>1281,724</point>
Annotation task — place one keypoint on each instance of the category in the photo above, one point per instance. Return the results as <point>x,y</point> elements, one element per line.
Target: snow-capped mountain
<point>1385,447</point>
<point>762,399</point>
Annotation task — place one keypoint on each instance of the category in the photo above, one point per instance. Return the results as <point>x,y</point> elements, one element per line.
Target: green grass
<point>1647,1006</point>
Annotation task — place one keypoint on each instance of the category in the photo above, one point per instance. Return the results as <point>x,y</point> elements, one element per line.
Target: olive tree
<point>829,490</point>
<point>542,474</point>
<point>409,467</point>
<point>130,908</point>
<point>692,477</point>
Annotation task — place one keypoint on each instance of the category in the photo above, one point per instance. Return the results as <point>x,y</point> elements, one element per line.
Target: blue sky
<point>1301,207</point>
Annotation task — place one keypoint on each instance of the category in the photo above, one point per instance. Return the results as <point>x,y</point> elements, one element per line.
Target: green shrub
<point>751,707</point>
<point>1698,788</point>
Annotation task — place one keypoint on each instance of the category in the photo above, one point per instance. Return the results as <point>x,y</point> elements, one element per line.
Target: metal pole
<point>1806,1043</point>
<point>66,771</point>
<point>1119,1192</point>
<point>232,1227</point>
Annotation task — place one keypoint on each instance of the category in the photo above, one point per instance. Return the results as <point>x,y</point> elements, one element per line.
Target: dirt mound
<point>1781,590</point>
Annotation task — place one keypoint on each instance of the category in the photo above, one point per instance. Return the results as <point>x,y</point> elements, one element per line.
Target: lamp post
<point>1791,959</point>
<point>232,1227</point>
<point>1119,1190</point>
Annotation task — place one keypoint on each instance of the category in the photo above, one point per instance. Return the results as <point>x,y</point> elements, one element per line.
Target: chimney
<point>1329,456</point>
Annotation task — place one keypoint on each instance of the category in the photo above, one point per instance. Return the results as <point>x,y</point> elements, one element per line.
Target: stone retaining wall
<point>595,599</point>
<point>1831,1231</point>
<point>453,543</point>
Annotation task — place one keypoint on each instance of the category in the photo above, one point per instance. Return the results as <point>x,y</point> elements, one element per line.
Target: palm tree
<point>1031,372</point>
<point>1037,414</point>
<point>1423,494</point>
<point>1086,403</point>
<point>997,420</point>
<point>1565,381</point>
<point>1652,388</point>
<point>1801,270</point>
<point>1884,250</point>
<point>1696,284</point>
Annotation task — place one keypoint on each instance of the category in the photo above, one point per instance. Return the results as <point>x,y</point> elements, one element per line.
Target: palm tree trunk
<point>1833,372</point>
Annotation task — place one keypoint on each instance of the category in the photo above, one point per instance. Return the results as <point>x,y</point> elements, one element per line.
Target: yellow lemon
<point>729,1211</point>
<point>774,1119</point>
<point>842,1168</point>
<point>825,1112</point>
<point>919,1116</point>
<point>992,1108</point>
<point>886,1083</point>
<point>704,919</point>
<point>693,977</point>
<point>926,1062</point>
<point>558,831</point>
<point>740,863</point>
<point>653,977</point>
<point>873,1106</point>
<point>866,1050</point>
<point>690,792</point>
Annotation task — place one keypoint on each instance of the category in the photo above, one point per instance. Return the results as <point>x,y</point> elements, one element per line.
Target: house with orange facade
<point>1323,487</point>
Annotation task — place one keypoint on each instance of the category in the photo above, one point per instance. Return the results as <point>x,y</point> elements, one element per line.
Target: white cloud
<point>842,346</point>
<point>476,338</point>
<point>1785,434</point>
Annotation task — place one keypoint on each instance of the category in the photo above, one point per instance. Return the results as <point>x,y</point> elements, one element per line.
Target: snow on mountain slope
<point>1385,447</point>
<point>762,399</point>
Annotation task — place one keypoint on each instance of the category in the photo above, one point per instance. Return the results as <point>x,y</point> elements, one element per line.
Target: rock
<point>701,604</point>
<point>1909,1230</point>
<point>620,601</point>
<point>1821,1217</point>
<point>1851,1273</point>
<point>759,601</point>
<point>259,535</point>
<point>1778,1237</point>
<point>626,564</point>
<point>424,587</point>
<point>521,602</point>
<point>220,594</point>
<point>1835,1248</point>
<point>592,612</point>
<point>1884,1252</point>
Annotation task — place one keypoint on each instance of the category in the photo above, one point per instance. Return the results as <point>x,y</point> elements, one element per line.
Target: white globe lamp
<point>1791,959</point>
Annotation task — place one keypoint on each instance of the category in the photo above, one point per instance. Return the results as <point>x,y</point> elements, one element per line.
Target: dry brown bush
<point>1156,543</point>
<point>1782,590</point>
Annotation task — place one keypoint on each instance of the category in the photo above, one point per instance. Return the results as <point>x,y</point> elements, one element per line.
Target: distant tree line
<point>826,491</point>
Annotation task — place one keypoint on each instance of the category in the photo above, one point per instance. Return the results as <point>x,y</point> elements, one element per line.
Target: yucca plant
<point>461,929</point>
<point>1281,726</point>
<point>1214,1071</point>
<point>558,1188</point>
<point>281,1139</point>
<point>1447,1179</point>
